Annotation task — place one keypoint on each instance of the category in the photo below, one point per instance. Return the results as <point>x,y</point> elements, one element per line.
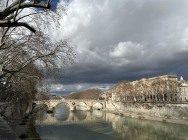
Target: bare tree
<point>26,49</point>
<point>10,15</point>
<point>34,15</point>
<point>35,50</point>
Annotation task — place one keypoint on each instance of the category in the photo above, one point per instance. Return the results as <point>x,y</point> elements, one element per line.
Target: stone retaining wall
<point>169,111</point>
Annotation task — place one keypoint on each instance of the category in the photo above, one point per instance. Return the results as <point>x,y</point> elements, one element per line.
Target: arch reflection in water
<point>80,115</point>
<point>109,126</point>
<point>97,114</point>
<point>61,112</point>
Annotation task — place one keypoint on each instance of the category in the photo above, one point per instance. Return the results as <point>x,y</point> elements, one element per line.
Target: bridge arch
<point>97,106</point>
<point>63,103</point>
<point>81,106</point>
<point>62,107</point>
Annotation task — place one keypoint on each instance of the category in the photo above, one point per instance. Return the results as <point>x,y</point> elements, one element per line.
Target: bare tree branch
<point>16,24</point>
<point>12,8</point>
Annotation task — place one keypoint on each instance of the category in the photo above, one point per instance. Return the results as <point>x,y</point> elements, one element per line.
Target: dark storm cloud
<point>125,39</point>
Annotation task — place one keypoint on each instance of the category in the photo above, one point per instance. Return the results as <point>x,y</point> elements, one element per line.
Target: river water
<point>98,125</point>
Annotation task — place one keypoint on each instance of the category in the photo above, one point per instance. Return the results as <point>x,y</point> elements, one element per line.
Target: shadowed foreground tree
<point>26,50</point>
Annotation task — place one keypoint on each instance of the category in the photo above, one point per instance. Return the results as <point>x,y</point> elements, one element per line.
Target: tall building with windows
<point>183,89</point>
<point>155,89</point>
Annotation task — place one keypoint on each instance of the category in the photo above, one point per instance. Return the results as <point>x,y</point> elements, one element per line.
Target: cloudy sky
<point>117,40</point>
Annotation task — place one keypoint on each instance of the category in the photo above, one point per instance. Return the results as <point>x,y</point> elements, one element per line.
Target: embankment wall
<point>164,110</point>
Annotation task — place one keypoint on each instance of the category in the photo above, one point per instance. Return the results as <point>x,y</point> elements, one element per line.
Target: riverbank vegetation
<point>28,54</point>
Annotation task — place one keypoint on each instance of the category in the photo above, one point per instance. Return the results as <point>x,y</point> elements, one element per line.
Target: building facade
<point>156,89</point>
<point>183,89</point>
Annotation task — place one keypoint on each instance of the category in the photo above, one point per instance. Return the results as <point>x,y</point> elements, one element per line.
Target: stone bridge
<point>73,104</point>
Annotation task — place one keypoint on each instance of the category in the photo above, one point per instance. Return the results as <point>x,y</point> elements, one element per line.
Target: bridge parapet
<point>72,103</point>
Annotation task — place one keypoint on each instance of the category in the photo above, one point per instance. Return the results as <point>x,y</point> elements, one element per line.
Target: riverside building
<point>166,88</point>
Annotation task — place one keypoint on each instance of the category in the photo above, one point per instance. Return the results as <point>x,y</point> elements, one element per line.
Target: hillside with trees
<point>87,94</point>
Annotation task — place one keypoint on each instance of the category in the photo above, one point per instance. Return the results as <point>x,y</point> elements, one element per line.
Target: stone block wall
<point>169,111</point>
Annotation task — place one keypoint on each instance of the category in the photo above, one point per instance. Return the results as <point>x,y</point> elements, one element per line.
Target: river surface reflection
<point>98,125</point>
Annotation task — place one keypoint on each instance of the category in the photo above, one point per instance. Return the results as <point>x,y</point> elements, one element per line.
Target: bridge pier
<point>51,108</point>
<point>72,108</point>
<point>89,108</point>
